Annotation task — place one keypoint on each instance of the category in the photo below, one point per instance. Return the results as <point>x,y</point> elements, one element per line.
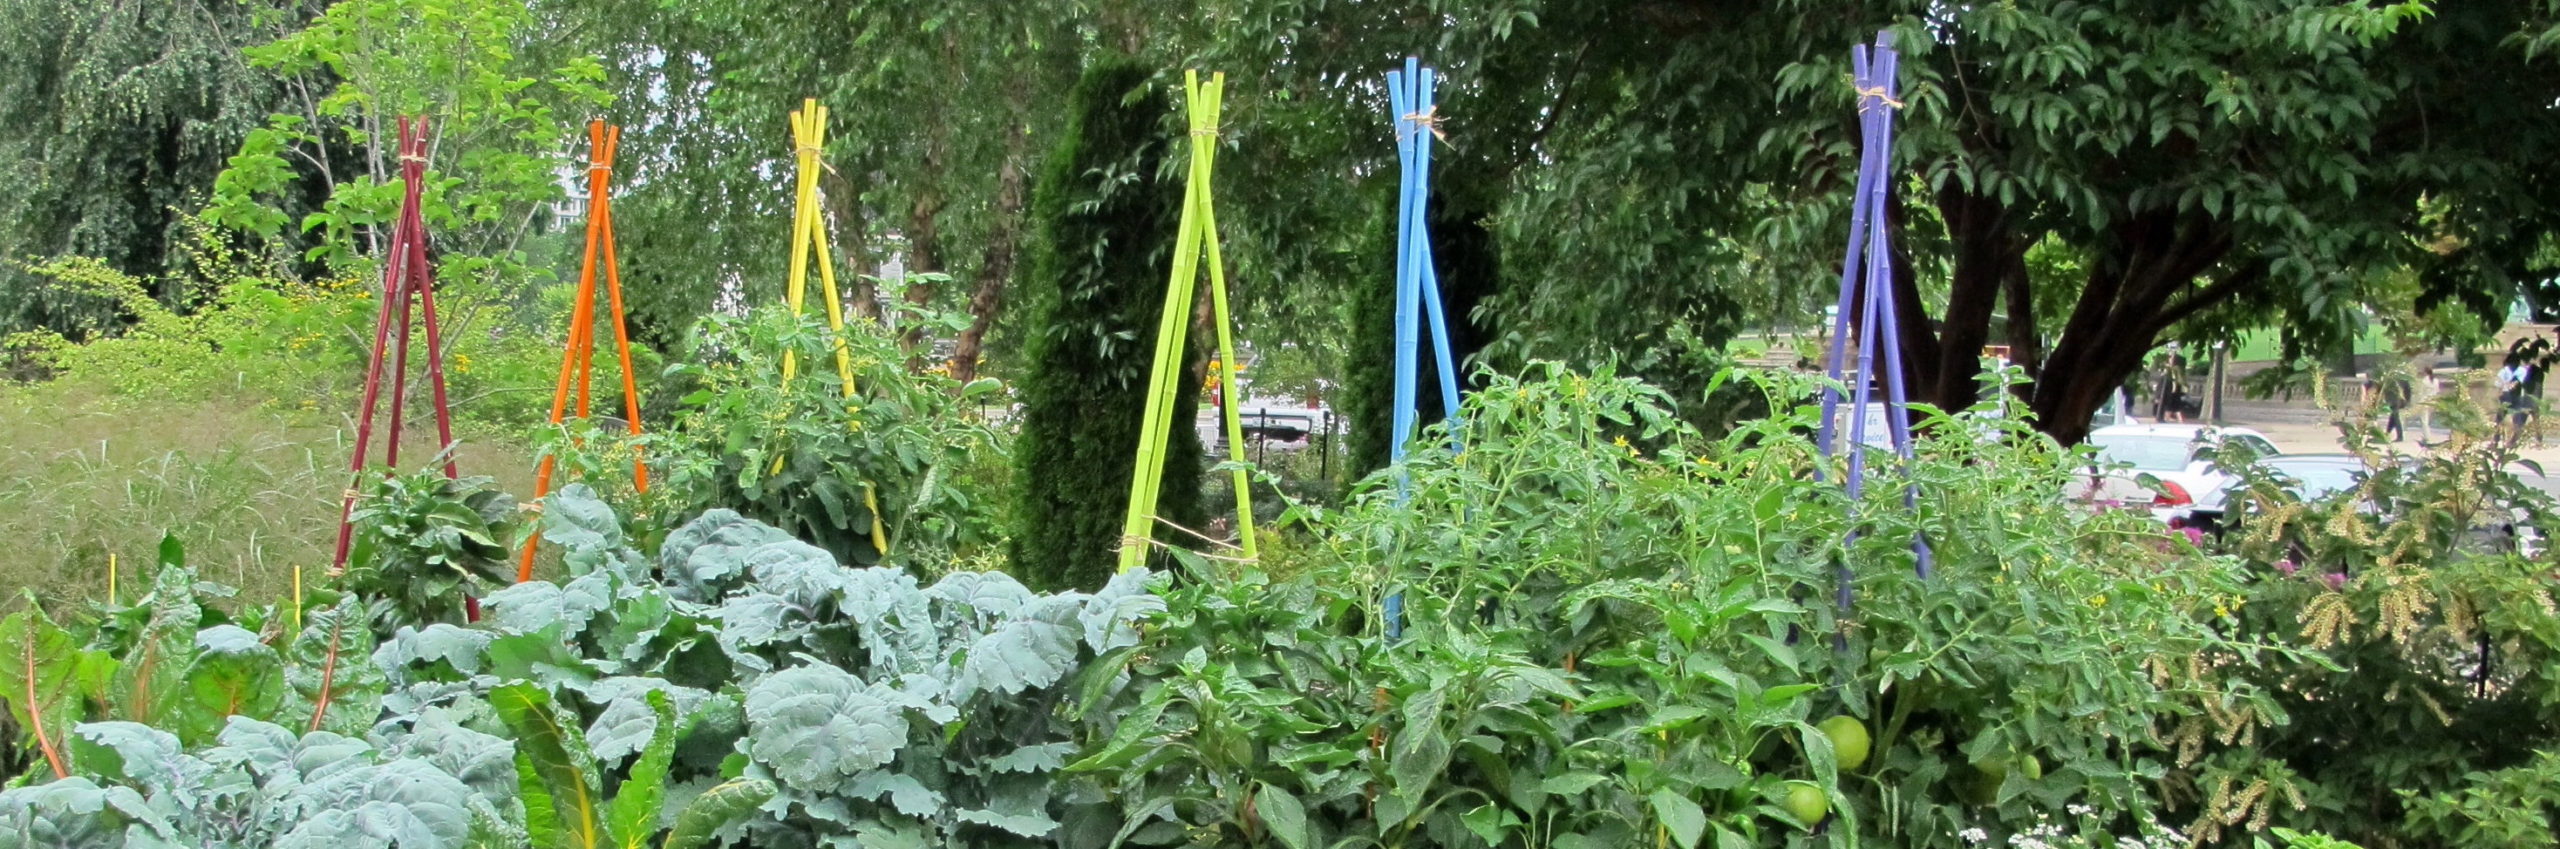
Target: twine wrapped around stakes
<point>1872,95</point>
<point>1430,119</point>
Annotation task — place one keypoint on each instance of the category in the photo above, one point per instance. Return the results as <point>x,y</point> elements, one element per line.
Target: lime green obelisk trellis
<point>1194,239</point>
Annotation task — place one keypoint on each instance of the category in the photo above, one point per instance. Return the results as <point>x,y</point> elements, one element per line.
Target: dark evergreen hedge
<point>1105,212</point>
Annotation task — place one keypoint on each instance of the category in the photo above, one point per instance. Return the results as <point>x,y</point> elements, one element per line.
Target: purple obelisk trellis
<point>1866,298</point>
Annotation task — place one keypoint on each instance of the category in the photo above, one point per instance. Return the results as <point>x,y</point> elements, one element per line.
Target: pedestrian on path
<point>2169,395</point>
<point>2513,379</point>
<point>2396,394</point>
<point>2429,388</point>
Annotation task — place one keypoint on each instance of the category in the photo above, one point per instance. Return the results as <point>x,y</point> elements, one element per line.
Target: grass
<point>252,491</point>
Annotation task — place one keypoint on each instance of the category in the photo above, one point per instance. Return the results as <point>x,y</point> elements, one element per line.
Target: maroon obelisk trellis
<point>408,292</point>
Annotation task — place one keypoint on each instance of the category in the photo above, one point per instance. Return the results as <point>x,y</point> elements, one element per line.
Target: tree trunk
<point>843,204</point>
<point>924,257</point>
<point>1942,359</point>
<point>1987,248</point>
<point>2026,342</point>
<point>995,267</point>
<point>2139,287</point>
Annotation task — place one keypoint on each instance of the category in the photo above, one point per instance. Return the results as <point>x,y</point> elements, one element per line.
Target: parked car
<point>2165,467</point>
<point>2309,477</point>
<point>2312,477</point>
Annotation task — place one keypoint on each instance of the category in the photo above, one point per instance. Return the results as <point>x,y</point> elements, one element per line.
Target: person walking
<point>2169,395</point>
<point>2395,401</point>
<point>2429,389</point>
<point>2512,400</point>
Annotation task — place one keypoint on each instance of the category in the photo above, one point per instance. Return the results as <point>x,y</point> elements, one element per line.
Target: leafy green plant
<point>877,707</point>
<point>887,474</point>
<point>1621,631</point>
<point>258,786</point>
<point>177,661</point>
<point>423,541</point>
<point>2424,719</point>
<point>2511,807</point>
<point>2304,840</point>
<point>564,803</point>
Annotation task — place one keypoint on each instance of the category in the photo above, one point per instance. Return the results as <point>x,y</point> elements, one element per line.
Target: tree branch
<point>2213,294</point>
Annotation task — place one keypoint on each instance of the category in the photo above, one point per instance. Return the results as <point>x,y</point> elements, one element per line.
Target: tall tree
<point>703,208</point>
<point>1105,213</point>
<point>1554,234</point>
<point>941,110</point>
<point>114,119</point>
<point>2222,164</point>
<point>501,112</point>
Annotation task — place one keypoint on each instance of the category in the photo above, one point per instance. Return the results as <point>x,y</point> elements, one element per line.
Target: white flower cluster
<point>2047,834</point>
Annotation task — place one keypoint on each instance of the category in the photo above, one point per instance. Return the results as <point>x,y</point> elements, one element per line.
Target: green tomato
<point>1849,741</point>
<point>1806,802</point>
<point>2031,768</point>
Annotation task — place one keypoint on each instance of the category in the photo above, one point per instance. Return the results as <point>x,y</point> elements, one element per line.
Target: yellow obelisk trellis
<point>809,235</point>
<point>1197,235</point>
<point>809,242</point>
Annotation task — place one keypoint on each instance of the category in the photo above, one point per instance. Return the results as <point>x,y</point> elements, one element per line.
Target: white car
<point>2176,456</point>
<point>2310,477</point>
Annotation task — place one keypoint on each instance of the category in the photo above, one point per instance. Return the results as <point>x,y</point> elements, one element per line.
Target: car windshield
<point>2148,453</point>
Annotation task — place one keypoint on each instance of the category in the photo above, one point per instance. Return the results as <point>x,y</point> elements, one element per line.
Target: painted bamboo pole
<point>1416,119</point>
<point>408,289</point>
<point>809,246</point>
<point>577,355</point>
<point>1230,388</point>
<point>1884,72</point>
<point>1866,305</point>
<point>1195,239</point>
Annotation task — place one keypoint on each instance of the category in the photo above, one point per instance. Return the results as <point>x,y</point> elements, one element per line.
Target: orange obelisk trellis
<point>408,291</point>
<point>577,358</point>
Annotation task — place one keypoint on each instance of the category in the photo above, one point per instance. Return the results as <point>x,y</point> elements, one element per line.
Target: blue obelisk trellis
<point>1866,298</point>
<point>1416,119</point>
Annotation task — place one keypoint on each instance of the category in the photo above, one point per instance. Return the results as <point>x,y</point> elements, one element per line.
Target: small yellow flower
<point>2221,612</point>
<point>2099,600</point>
<point>461,363</point>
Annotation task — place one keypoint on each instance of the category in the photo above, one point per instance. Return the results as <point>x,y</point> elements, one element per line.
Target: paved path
<point>2301,428</point>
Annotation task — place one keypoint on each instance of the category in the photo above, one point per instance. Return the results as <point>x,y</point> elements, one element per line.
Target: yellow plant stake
<point>111,579</point>
<point>1195,236</point>
<point>808,237</point>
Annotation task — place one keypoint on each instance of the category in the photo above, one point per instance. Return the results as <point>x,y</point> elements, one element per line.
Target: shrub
<point>1620,633</point>
<point>2437,645</point>
<point>1105,217</point>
